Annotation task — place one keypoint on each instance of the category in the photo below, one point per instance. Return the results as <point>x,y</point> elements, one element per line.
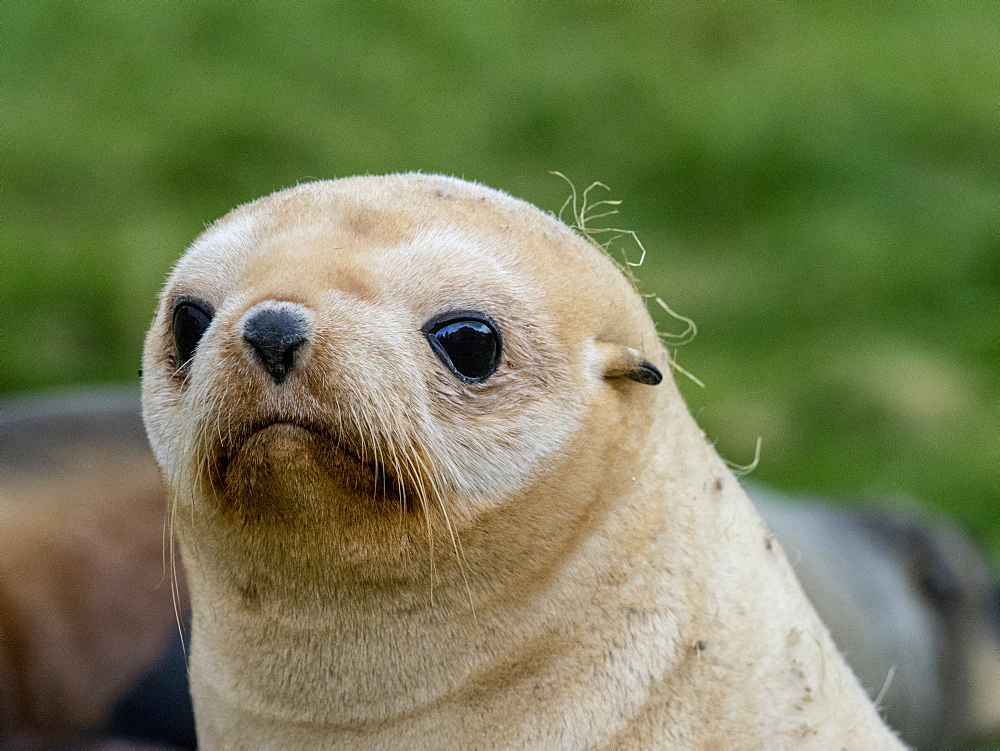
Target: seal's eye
<point>468,343</point>
<point>191,319</point>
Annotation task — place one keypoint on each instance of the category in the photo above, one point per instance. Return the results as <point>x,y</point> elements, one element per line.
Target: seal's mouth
<point>338,454</point>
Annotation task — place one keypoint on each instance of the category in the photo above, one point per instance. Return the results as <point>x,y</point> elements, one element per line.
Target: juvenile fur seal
<point>428,497</point>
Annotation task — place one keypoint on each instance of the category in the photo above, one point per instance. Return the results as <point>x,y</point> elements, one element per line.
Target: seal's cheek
<point>288,474</point>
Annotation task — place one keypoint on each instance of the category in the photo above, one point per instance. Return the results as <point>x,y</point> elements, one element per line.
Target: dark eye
<point>468,343</point>
<point>191,319</point>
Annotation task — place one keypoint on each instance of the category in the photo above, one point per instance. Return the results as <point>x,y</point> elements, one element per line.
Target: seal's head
<point>342,371</point>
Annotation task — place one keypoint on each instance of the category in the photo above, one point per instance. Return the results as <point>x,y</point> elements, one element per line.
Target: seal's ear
<point>617,360</point>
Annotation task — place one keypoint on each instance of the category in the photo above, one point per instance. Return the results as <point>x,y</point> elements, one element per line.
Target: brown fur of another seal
<point>85,602</point>
<point>381,555</point>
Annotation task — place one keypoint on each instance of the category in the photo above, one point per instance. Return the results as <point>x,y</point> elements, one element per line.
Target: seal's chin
<point>288,471</point>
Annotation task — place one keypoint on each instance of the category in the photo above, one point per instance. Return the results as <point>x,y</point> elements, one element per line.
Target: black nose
<point>275,333</point>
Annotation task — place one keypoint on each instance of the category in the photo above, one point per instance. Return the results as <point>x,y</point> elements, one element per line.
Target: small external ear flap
<point>645,372</point>
<point>618,361</point>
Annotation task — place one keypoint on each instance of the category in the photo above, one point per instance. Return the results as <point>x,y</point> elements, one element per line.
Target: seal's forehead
<point>385,211</point>
<point>362,222</point>
<point>421,240</point>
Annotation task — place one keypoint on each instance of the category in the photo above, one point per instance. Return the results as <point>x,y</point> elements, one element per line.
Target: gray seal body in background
<point>911,603</point>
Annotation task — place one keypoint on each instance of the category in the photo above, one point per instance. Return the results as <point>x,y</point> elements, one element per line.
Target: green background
<point>818,186</point>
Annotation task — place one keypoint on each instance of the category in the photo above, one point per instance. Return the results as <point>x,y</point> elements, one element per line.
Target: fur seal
<point>427,496</point>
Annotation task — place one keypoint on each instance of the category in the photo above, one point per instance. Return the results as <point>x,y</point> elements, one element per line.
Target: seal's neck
<point>622,591</point>
<point>542,583</point>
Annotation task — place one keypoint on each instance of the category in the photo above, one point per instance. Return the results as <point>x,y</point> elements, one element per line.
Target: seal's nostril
<point>275,333</point>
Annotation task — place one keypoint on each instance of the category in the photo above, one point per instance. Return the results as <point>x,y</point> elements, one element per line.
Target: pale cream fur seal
<point>427,498</point>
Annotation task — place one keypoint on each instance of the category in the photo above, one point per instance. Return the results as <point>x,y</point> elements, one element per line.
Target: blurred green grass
<point>819,187</point>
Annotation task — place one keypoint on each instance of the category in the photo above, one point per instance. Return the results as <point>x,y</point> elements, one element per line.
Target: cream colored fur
<point>555,558</point>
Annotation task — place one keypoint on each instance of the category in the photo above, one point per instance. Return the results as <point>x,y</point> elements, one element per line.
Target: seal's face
<point>371,359</point>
